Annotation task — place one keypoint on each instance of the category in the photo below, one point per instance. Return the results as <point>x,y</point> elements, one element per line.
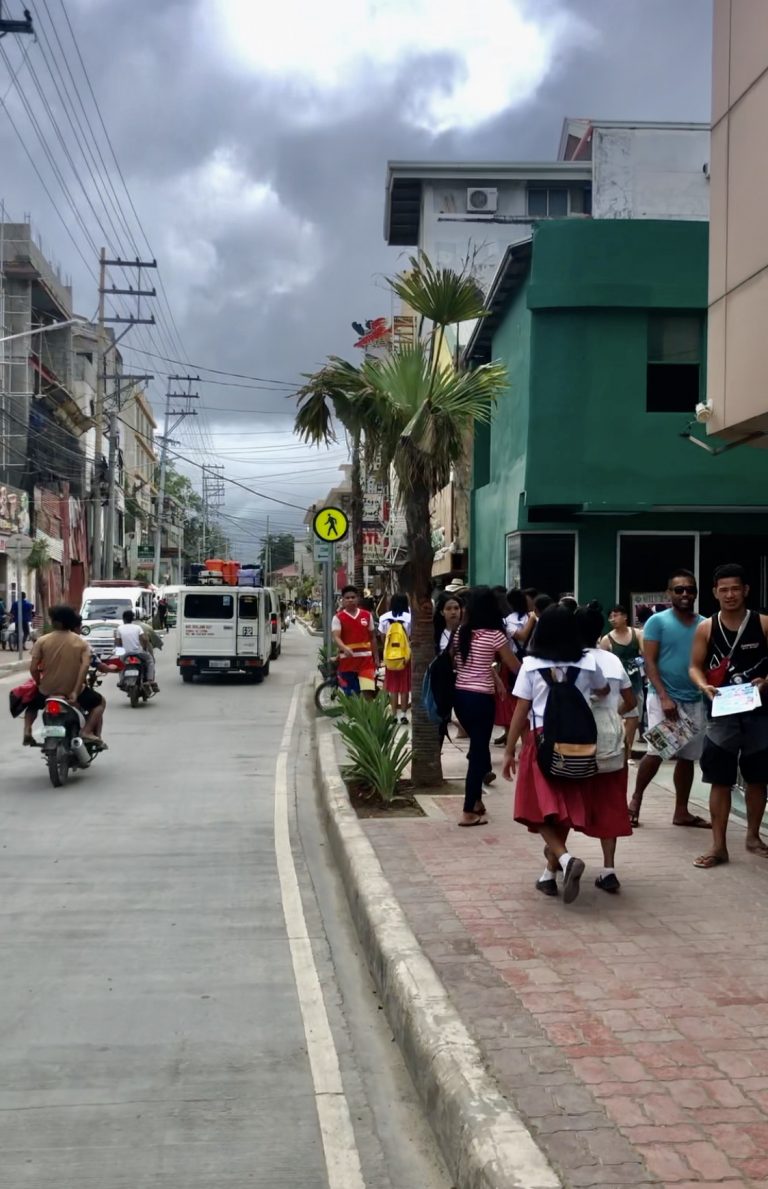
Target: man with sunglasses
<point>667,643</point>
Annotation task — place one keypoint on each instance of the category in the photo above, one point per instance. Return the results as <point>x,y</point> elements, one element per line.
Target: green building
<point>590,479</point>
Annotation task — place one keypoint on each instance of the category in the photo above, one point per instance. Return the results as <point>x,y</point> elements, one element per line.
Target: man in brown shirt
<point>59,666</point>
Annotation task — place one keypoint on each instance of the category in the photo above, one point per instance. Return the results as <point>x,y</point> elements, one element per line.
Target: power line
<point>200,367</point>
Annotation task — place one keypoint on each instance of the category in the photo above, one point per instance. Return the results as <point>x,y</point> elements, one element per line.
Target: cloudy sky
<point>253,139</point>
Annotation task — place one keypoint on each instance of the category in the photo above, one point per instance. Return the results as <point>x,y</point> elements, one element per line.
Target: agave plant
<point>378,751</point>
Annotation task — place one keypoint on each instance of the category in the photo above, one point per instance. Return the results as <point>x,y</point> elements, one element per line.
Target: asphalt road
<point>183,1004</point>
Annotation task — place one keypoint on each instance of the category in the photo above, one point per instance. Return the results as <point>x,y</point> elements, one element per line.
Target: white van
<point>275,621</point>
<point>222,629</point>
<point>103,606</point>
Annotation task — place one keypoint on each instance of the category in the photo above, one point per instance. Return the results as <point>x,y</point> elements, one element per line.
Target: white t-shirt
<point>387,618</point>
<point>130,636</point>
<point>615,674</point>
<point>445,639</point>
<point>513,623</point>
<point>531,686</point>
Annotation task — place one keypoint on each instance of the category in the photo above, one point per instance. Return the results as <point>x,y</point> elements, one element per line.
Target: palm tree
<point>336,394</point>
<point>418,412</point>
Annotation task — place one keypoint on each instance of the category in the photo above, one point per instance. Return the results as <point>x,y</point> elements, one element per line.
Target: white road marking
<point>342,1159</point>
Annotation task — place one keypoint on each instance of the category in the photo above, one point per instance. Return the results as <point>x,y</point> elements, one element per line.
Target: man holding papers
<point>729,664</point>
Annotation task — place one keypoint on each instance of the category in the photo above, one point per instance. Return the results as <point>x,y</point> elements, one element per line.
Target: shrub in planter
<point>378,751</point>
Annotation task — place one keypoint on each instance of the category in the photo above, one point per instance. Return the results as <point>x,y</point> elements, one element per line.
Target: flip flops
<point>705,862</point>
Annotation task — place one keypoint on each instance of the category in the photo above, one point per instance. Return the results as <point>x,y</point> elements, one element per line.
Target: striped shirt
<point>476,673</point>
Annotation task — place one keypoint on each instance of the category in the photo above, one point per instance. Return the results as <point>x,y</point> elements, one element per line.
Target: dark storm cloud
<point>265,207</point>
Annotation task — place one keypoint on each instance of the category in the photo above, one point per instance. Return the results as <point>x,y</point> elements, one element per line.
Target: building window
<point>674,363</point>
<point>558,202</point>
<point>548,201</point>
<point>546,560</point>
<point>481,471</point>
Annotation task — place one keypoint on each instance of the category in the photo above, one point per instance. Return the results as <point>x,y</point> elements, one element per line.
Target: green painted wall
<point>500,450</point>
<point>573,429</point>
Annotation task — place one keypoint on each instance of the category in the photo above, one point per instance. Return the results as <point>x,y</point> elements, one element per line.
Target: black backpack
<point>439,687</point>
<point>567,747</point>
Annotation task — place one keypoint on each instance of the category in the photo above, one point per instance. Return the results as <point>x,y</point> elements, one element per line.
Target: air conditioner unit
<point>481,200</point>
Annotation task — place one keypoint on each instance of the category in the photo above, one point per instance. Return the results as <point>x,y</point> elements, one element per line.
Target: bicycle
<point>329,693</point>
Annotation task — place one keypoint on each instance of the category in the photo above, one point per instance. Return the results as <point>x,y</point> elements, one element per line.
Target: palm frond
<point>441,295</point>
<point>330,394</point>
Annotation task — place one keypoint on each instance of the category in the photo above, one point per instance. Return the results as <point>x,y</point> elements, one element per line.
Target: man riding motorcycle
<point>59,666</point>
<point>134,638</point>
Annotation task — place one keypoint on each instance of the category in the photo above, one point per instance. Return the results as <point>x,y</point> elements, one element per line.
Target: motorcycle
<point>63,748</point>
<point>133,679</point>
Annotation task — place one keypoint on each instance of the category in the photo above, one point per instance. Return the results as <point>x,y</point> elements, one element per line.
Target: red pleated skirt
<point>596,806</point>
<point>398,681</point>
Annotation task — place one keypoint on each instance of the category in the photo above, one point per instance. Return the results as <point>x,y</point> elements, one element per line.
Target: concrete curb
<point>13,667</point>
<point>484,1141</point>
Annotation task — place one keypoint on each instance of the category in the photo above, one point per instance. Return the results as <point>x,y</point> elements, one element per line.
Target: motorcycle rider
<point>59,666</point>
<point>134,638</point>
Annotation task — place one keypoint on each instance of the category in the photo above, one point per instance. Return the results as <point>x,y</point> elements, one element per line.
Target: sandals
<point>480,820</point>
<point>705,862</point>
<point>696,823</point>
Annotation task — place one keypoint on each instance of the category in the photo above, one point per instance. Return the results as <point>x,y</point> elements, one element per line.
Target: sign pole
<point>328,601</point>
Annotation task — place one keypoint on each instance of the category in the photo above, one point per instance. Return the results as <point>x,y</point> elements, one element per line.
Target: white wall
<point>449,243</point>
<point>650,173</point>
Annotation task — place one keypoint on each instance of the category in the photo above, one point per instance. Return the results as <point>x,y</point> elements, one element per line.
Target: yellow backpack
<point>397,647</point>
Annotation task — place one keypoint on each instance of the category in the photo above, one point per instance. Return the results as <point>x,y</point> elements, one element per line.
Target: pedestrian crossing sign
<point>330,524</point>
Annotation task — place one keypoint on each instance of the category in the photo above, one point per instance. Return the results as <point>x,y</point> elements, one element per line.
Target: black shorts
<point>719,766</point>
<point>87,701</point>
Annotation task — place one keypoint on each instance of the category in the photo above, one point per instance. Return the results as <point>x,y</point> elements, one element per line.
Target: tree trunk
<point>426,769</point>
<point>356,514</point>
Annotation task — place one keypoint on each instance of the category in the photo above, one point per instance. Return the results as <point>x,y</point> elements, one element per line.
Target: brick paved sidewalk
<point>631,1031</point>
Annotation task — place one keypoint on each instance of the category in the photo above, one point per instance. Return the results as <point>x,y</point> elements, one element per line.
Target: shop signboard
<point>646,603</point>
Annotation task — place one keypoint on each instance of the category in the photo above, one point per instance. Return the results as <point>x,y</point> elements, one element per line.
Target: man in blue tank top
<point>667,643</point>
<point>731,648</point>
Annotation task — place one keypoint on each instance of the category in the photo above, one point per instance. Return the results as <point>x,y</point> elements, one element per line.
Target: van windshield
<point>106,608</point>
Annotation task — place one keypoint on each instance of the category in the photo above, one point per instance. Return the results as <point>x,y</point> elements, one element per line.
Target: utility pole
<point>268,555</point>
<point>99,418</point>
<point>179,414</point>
<point>7,26</point>
<point>104,566</point>
<point>114,437</point>
<point>213,497</point>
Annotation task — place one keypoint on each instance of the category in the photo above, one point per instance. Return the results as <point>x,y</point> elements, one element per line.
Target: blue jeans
<point>476,713</point>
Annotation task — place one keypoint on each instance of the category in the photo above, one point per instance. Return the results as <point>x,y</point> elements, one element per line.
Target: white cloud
<point>502,50</point>
<point>215,200</point>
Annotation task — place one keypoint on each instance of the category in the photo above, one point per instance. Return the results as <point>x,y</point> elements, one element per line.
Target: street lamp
<point>8,338</point>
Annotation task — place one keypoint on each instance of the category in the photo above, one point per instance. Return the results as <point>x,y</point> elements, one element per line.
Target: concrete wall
<point>650,173</point>
<point>738,276</point>
<point>448,244</point>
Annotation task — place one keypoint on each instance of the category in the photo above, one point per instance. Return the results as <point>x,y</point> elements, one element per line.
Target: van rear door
<point>250,624</point>
<point>207,624</point>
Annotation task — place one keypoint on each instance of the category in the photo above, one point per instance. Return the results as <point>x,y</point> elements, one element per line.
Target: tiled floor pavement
<point>631,1031</point>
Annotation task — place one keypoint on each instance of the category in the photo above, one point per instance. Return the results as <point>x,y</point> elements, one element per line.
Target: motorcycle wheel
<point>134,696</point>
<point>328,697</point>
<point>58,765</point>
